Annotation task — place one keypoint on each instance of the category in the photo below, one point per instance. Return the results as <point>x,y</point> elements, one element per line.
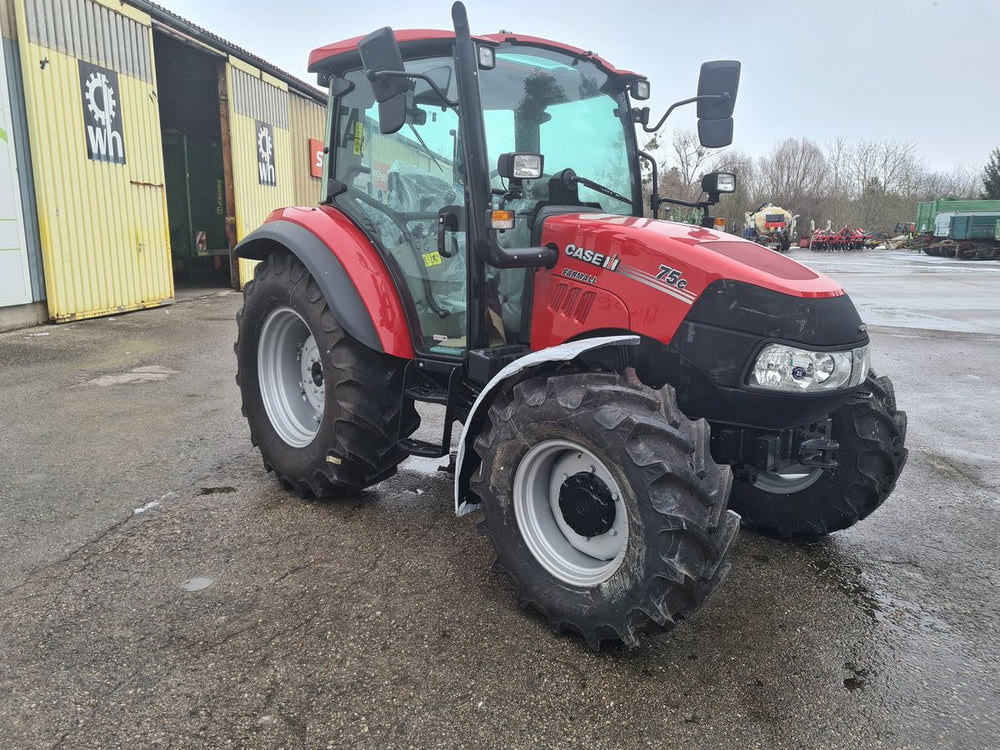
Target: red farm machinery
<point>843,240</point>
<point>623,383</point>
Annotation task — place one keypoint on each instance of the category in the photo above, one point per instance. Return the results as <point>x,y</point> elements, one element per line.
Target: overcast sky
<point>922,71</point>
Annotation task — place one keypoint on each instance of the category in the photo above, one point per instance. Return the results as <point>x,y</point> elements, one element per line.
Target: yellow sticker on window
<point>432,259</point>
<point>359,135</point>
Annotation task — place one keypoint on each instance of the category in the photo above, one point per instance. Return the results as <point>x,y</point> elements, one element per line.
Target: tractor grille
<point>571,302</point>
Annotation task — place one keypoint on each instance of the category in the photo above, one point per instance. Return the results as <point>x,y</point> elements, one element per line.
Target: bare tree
<point>837,202</point>
<point>872,183</point>
<point>794,169</point>
<point>892,163</point>
<point>690,158</point>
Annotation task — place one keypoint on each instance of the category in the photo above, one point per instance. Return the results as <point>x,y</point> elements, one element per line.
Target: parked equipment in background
<point>770,226</point>
<point>968,230</point>
<point>616,376</point>
<point>844,240</point>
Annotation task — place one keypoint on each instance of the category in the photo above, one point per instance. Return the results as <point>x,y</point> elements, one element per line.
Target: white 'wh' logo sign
<point>102,116</point>
<point>265,154</point>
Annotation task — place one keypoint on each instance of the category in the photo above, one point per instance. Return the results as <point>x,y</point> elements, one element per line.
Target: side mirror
<point>380,54</point>
<point>715,133</point>
<point>719,78</point>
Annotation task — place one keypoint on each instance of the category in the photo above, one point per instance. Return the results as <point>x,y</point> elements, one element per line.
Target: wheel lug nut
<point>613,532</point>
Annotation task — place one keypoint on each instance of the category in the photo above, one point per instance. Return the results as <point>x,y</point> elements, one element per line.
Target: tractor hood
<point>712,301</point>
<point>697,256</point>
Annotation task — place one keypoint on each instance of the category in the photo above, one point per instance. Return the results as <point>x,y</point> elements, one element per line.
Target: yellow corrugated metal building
<point>305,121</point>
<point>154,147</point>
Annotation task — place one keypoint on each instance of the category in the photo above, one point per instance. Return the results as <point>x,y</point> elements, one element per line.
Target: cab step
<point>428,394</point>
<point>418,387</point>
<point>422,448</point>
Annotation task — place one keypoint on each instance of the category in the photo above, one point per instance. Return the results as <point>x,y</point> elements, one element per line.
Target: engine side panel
<point>564,307</point>
<point>351,257</point>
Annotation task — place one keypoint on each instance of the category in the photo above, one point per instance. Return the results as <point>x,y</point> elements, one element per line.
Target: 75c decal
<point>672,276</point>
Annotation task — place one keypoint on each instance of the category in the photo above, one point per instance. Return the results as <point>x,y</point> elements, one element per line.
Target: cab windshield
<point>568,110</point>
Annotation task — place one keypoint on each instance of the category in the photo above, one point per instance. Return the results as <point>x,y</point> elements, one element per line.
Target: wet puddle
<point>197,584</point>
<point>148,374</point>
<point>880,607</point>
<point>428,466</point>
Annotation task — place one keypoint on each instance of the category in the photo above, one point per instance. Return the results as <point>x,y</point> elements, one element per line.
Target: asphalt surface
<point>157,588</point>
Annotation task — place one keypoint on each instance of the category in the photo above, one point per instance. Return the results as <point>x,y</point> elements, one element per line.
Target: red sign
<point>316,149</point>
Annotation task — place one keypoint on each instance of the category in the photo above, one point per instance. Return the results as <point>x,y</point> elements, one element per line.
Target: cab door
<point>394,187</point>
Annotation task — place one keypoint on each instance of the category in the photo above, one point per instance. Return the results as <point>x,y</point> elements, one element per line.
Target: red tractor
<point>620,379</point>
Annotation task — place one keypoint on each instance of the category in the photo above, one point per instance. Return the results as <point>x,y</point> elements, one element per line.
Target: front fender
<point>535,361</point>
<point>348,270</point>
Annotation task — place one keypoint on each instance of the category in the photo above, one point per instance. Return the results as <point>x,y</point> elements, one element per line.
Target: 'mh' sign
<point>265,154</point>
<point>102,113</point>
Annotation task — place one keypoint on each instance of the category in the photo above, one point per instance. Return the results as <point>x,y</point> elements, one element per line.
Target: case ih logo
<point>265,154</point>
<point>102,116</point>
<point>593,257</point>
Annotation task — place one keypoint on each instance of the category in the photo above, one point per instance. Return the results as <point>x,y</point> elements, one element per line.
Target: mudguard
<point>353,278</point>
<point>554,354</point>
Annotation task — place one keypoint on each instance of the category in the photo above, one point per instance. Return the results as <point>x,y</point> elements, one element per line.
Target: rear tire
<point>664,496</point>
<point>322,408</point>
<point>871,433</point>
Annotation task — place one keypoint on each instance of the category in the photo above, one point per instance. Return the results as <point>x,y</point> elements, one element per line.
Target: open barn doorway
<point>190,82</point>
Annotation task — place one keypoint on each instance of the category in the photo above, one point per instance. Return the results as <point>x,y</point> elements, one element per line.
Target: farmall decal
<point>265,154</point>
<point>102,113</point>
<point>601,260</point>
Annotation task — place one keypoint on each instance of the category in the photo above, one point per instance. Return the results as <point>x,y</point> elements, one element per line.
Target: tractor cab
<point>451,151</point>
<point>402,186</point>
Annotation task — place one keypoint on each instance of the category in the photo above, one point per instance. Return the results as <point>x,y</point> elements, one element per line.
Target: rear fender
<point>348,270</point>
<point>527,365</point>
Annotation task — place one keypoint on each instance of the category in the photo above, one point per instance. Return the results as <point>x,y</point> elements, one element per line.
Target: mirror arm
<point>681,103</point>
<point>373,75</point>
<point>689,204</point>
<point>654,195</point>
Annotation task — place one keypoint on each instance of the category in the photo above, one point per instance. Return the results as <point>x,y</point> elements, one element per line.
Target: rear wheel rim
<point>539,482</point>
<point>291,377</point>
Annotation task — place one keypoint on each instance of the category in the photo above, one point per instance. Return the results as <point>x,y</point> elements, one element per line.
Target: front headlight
<point>786,368</point>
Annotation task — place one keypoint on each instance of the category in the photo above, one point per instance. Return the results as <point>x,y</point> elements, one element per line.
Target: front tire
<point>805,504</point>
<point>322,408</point>
<point>603,504</point>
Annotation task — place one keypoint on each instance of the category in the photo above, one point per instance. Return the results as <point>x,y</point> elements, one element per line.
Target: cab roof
<point>344,55</point>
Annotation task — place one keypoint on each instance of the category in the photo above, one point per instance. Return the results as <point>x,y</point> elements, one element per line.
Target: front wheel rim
<point>567,555</point>
<point>291,377</point>
<point>789,481</point>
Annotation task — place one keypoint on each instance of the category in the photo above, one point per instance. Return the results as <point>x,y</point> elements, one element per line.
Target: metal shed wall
<point>102,225</point>
<point>307,120</point>
<point>255,96</point>
<point>19,135</point>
